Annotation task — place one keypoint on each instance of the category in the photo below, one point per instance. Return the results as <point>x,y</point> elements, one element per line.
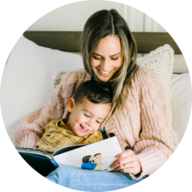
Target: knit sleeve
<point>156,137</point>
<point>32,127</point>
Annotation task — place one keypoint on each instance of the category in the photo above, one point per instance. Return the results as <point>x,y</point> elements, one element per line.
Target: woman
<point>138,118</point>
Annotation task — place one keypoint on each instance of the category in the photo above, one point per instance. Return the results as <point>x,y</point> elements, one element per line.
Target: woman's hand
<point>127,162</point>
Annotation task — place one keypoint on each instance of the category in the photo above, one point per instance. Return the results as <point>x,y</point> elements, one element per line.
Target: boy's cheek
<point>95,129</point>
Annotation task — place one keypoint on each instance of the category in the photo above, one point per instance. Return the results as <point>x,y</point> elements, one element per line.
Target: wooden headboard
<point>69,40</point>
<point>146,42</point>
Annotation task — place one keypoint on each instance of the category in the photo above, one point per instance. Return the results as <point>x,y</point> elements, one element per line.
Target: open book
<point>97,156</point>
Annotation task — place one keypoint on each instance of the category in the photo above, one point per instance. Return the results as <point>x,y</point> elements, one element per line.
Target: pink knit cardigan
<point>143,122</point>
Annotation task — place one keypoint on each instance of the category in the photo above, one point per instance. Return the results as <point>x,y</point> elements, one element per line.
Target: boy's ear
<point>71,104</point>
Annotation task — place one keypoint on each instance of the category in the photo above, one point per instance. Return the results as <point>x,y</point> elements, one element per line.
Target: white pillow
<point>181,102</point>
<point>10,124</point>
<point>26,81</point>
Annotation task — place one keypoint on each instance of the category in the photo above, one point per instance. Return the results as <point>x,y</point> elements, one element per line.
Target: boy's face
<point>86,117</point>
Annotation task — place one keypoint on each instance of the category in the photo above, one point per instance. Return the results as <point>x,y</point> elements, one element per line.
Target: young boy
<point>88,108</point>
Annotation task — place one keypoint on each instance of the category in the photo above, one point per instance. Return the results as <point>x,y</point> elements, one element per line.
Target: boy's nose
<point>90,123</point>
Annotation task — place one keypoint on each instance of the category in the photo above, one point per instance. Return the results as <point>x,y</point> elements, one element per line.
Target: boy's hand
<point>127,162</point>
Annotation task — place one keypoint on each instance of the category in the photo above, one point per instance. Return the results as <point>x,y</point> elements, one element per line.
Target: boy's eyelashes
<point>90,116</point>
<point>87,115</point>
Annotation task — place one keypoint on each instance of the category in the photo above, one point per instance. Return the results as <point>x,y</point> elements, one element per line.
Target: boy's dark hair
<point>86,158</point>
<point>94,91</point>
<point>97,154</point>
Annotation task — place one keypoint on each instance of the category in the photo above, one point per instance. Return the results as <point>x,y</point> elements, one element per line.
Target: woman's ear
<point>71,104</point>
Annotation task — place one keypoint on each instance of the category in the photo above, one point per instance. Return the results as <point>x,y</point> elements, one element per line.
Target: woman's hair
<point>97,154</point>
<point>99,25</point>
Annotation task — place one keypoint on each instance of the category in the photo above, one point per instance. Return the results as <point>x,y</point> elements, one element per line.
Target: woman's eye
<point>96,58</point>
<point>98,122</point>
<point>115,58</point>
<point>87,115</point>
<point>99,58</point>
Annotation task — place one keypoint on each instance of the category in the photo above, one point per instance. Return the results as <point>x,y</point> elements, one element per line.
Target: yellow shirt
<point>57,135</point>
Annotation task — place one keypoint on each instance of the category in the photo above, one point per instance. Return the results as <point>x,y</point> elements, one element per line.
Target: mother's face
<point>107,58</point>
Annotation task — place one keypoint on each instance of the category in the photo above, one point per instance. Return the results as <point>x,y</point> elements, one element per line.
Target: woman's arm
<point>155,144</point>
<point>32,127</point>
<point>156,138</point>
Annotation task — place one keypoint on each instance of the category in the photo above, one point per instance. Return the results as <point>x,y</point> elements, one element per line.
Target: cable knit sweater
<point>142,123</point>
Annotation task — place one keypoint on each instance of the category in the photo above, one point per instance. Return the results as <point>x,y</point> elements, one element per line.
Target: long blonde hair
<point>99,25</point>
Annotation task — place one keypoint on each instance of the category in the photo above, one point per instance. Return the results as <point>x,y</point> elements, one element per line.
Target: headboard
<point>146,42</point>
<point>69,40</point>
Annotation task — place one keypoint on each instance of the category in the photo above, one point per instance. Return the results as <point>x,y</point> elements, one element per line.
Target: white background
<point>72,17</point>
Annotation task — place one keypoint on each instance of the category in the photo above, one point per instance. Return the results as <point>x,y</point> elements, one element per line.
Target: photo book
<point>97,156</point>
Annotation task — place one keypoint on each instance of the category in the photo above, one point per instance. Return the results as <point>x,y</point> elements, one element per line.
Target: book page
<point>34,151</point>
<point>106,150</point>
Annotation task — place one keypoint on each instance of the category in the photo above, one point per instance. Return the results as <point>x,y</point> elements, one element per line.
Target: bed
<point>39,59</point>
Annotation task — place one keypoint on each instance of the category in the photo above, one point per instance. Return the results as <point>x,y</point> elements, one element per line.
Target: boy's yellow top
<point>57,135</point>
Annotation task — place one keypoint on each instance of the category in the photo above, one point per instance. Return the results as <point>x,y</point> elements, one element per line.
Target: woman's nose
<point>105,66</point>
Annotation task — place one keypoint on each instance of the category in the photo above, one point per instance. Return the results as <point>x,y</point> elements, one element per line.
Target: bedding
<point>181,95</point>
<point>27,84</point>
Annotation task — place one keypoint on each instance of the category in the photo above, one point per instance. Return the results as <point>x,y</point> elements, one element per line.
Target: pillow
<point>26,81</point>
<point>161,62</point>
<point>181,94</point>
<point>10,124</point>
<point>57,76</point>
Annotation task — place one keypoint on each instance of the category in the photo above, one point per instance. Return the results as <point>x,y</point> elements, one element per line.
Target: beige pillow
<point>161,62</point>
<point>57,77</point>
